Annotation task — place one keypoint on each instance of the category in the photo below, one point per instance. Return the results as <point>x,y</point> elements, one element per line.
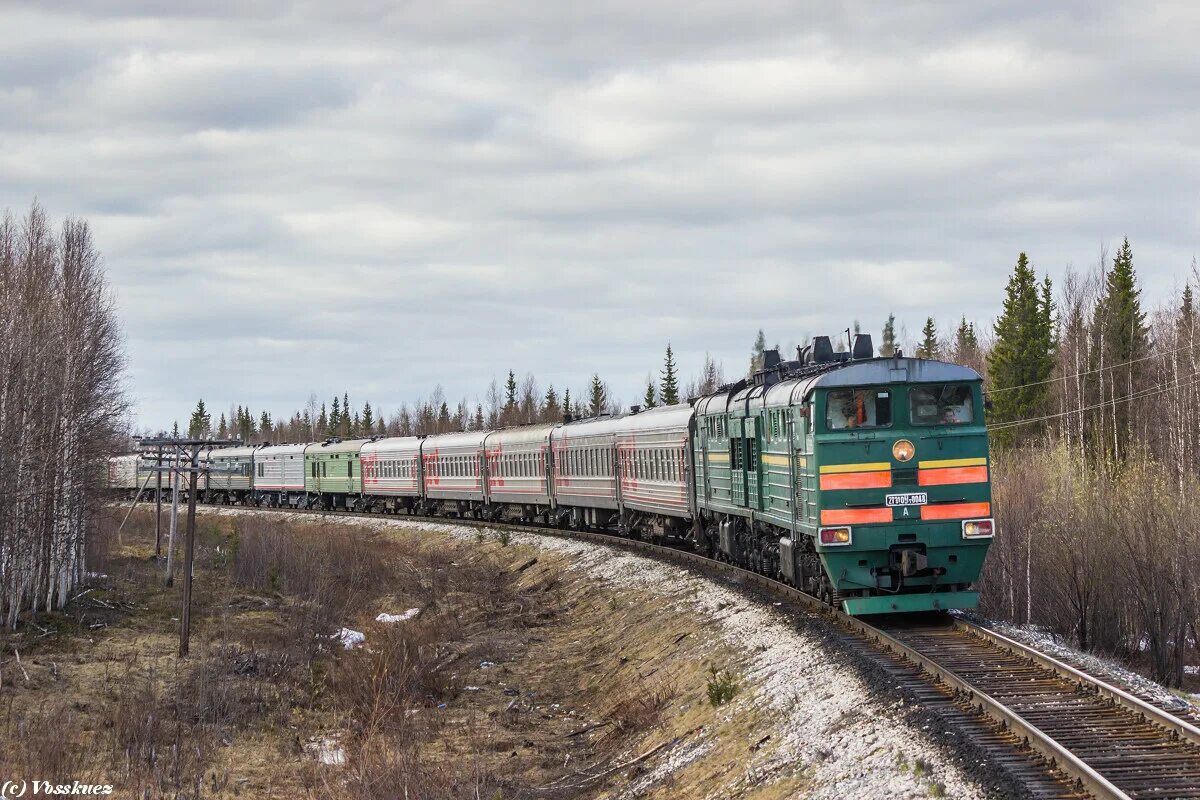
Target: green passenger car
<point>333,473</point>
<point>864,481</point>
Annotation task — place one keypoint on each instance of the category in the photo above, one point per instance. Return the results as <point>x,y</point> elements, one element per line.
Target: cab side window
<point>848,409</point>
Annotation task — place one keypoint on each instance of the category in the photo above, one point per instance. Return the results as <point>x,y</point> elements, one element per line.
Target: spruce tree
<point>200,425</point>
<point>175,430</point>
<point>1187,316</point>
<point>368,419</point>
<point>1126,342</point>
<point>335,417</point>
<point>929,347</point>
<point>887,342</point>
<point>1022,359</point>
<point>669,390</point>
<point>567,410</point>
<point>322,422</point>
<point>264,426</point>
<point>551,409</point>
<point>757,352</point>
<point>649,400</point>
<point>510,392</point>
<point>599,396</point>
<point>222,428</point>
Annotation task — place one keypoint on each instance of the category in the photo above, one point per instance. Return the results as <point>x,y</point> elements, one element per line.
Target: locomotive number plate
<point>909,499</point>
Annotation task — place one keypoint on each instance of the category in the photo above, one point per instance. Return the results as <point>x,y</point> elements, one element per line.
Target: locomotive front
<point>900,463</point>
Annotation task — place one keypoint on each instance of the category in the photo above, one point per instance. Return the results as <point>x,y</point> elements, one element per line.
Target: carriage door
<point>750,451</point>
<point>737,463</point>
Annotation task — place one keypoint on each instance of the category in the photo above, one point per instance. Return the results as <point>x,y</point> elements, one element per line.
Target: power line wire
<point>1091,371</point>
<point>1182,383</point>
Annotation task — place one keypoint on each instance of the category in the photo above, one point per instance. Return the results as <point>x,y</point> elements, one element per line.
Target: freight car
<point>861,480</point>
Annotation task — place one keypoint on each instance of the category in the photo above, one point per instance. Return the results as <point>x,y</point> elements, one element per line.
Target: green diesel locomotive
<point>861,480</point>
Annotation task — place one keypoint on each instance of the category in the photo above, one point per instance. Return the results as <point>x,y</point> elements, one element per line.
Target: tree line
<point>516,402</point>
<point>61,406</point>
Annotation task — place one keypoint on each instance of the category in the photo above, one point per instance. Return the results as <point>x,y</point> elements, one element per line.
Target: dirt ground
<point>508,675</point>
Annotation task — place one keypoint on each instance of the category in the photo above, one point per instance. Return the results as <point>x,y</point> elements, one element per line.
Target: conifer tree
<point>887,342</point>
<point>335,417</point>
<point>368,419</point>
<point>929,347</point>
<point>201,422</point>
<point>264,425</point>
<point>757,352</point>
<point>175,430</point>
<point>567,410</point>
<point>323,422</point>
<point>222,428</point>
<point>477,423</point>
<point>551,409</point>
<point>1122,328</point>
<point>599,396</point>
<point>1023,357</point>
<point>1187,312</point>
<point>344,429</point>
<point>649,400</point>
<point>510,392</point>
<point>669,390</point>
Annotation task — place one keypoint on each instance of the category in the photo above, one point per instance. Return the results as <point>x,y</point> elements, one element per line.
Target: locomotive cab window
<point>847,409</point>
<point>941,404</point>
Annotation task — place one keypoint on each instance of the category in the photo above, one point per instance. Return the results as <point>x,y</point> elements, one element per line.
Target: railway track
<point>1059,731</point>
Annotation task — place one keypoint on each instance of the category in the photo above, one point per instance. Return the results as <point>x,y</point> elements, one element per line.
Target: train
<point>863,480</point>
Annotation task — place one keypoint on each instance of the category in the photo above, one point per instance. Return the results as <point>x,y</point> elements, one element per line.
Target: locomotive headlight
<point>834,536</point>
<point>979,529</point>
<point>903,450</point>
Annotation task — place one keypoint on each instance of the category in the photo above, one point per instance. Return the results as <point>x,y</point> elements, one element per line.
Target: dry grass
<point>517,679</point>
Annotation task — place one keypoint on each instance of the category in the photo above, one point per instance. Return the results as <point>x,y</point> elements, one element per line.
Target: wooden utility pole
<point>185,618</point>
<point>158,505</point>
<point>174,520</point>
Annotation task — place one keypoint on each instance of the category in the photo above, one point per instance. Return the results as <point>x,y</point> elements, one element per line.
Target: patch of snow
<point>349,638</point>
<point>405,617</point>
<point>327,751</point>
<point>96,575</point>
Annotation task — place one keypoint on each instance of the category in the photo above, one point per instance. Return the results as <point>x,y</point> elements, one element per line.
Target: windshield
<point>858,408</point>
<point>941,404</point>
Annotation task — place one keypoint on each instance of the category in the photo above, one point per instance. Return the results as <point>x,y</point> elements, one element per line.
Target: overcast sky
<point>377,197</point>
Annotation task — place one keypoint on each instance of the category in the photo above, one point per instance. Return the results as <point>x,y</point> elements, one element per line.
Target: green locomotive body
<point>864,481</point>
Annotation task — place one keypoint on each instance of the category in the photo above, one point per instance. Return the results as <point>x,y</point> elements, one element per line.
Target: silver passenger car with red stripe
<point>518,469</point>
<point>453,471</point>
<point>391,472</point>
<point>654,465</point>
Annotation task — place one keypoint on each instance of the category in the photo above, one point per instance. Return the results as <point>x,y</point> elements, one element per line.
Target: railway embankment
<point>346,656</point>
<point>801,718</point>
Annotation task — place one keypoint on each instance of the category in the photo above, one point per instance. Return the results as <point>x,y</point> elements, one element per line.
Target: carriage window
<point>941,404</point>
<point>858,408</point>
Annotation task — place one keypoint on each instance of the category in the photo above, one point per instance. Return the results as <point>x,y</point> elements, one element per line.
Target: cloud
<point>379,197</point>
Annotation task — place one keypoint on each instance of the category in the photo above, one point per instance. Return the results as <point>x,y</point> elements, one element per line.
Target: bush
<point>722,686</point>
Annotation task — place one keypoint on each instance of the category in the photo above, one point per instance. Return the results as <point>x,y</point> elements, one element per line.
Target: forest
<point>61,405</point>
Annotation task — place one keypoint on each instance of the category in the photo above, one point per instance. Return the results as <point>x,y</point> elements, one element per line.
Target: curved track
<point>1093,739</point>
